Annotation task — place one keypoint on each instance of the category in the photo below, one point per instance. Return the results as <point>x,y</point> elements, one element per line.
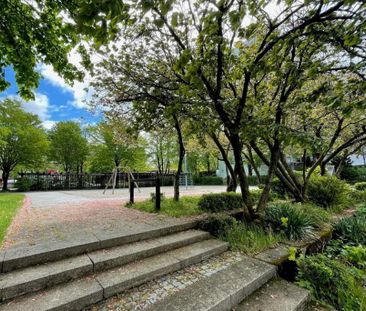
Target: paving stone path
<point>60,215</point>
<point>142,297</point>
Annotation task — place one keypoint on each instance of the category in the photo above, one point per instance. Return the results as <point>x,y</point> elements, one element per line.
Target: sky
<point>54,99</point>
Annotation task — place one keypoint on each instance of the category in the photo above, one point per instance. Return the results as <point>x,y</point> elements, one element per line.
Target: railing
<point>44,181</point>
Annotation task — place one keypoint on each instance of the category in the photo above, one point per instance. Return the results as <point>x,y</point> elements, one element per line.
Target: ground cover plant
<point>338,275</point>
<point>333,282</point>
<point>186,206</point>
<point>246,238</point>
<point>9,205</point>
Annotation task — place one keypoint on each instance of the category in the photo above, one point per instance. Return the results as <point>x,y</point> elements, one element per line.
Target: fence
<point>44,181</point>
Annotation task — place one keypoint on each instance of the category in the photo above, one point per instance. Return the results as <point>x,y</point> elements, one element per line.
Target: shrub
<point>218,202</point>
<point>218,225</point>
<point>361,212</point>
<point>256,194</point>
<point>356,255</point>
<point>361,186</point>
<point>351,230</point>
<point>320,216</point>
<point>208,180</point>
<point>23,184</point>
<point>278,188</point>
<point>353,174</point>
<point>253,180</point>
<point>356,196</point>
<point>333,282</point>
<point>326,191</point>
<point>290,220</point>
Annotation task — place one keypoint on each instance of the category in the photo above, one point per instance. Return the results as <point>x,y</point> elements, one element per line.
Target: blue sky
<point>54,99</point>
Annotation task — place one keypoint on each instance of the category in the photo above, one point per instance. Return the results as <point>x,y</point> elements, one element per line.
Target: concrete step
<point>38,277</point>
<point>222,290</point>
<point>25,256</point>
<point>79,294</point>
<point>277,295</point>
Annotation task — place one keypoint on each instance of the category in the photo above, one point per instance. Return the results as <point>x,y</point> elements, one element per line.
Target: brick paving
<point>60,215</point>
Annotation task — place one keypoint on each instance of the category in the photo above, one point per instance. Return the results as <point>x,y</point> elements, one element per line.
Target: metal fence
<point>44,181</point>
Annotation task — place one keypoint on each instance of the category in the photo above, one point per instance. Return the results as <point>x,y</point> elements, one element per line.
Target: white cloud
<point>77,89</point>
<point>80,90</point>
<point>48,124</point>
<point>38,106</point>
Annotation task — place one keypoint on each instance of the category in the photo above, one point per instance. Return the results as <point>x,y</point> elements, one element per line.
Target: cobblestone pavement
<point>59,215</point>
<point>139,298</point>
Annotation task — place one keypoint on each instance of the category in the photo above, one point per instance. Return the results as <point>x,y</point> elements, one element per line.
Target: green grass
<point>250,239</point>
<point>9,205</point>
<point>186,206</point>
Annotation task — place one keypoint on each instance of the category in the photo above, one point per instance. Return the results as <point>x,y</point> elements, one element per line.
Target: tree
<point>68,146</point>
<point>162,150</point>
<point>219,65</point>
<point>147,95</point>
<point>112,145</point>
<point>22,138</point>
<point>33,32</point>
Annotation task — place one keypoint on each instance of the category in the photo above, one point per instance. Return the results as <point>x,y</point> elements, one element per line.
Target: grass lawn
<point>9,205</point>
<point>186,206</point>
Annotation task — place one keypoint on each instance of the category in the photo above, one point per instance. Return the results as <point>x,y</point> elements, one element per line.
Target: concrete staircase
<point>249,285</point>
<point>74,275</point>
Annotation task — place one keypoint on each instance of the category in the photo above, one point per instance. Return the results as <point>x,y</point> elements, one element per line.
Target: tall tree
<point>112,145</point>
<point>22,139</point>
<point>221,55</point>
<point>68,146</point>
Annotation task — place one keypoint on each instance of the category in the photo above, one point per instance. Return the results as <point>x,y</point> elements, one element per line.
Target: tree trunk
<point>322,169</point>
<point>250,170</point>
<point>182,152</point>
<point>208,163</point>
<point>5,177</point>
<point>282,175</point>
<point>250,158</point>
<point>232,182</point>
<point>275,155</point>
<point>243,182</point>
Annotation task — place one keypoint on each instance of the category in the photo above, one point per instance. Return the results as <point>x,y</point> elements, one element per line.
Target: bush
<point>218,202</point>
<point>218,225</point>
<point>23,184</point>
<point>253,181</point>
<point>361,186</point>
<point>333,282</point>
<point>361,212</point>
<point>278,188</point>
<point>208,180</point>
<point>356,255</point>
<point>351,230</point>
<point>354,174</point>
<point>290,220</point>
<point>356,196</point>
<point>326,191</point>
<point>320,216</point>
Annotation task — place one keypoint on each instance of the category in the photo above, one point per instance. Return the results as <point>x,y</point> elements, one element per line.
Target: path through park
<point>64,215</point>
